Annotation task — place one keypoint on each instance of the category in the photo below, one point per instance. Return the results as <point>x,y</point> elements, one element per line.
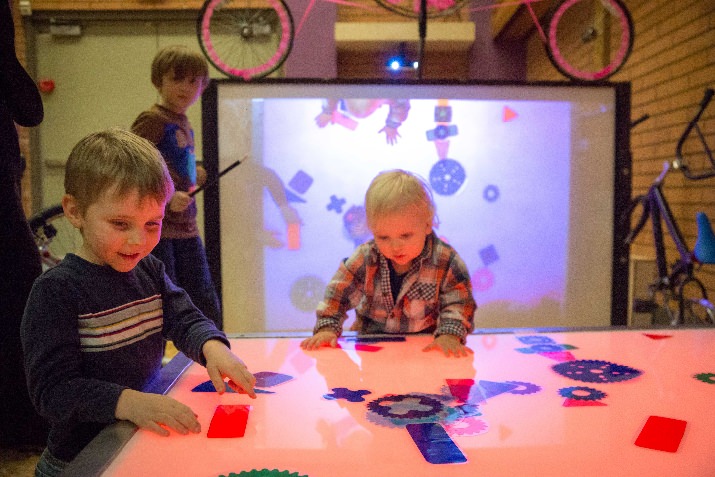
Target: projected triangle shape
<point>508,114</point>
<point>442,149</point>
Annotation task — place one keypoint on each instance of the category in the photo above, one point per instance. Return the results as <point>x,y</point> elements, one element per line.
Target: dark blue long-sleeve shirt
<point>89,332</point>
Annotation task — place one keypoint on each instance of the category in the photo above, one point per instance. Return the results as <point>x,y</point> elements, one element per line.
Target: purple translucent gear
<point>706,377</point>
<point>593,394</point>
<point>524,388</point>
<point>594,371</point>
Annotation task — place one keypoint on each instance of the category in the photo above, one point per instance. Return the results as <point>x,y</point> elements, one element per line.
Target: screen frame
<point>622,166</point>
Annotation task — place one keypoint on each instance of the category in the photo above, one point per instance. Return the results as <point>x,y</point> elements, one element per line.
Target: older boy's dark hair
<point>183,61</point>
<point>116,158</point>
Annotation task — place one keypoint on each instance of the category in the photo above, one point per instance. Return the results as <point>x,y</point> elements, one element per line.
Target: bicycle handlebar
<point>693,124</point>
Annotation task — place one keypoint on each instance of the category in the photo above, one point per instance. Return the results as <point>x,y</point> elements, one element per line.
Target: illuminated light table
<point>507,411</point>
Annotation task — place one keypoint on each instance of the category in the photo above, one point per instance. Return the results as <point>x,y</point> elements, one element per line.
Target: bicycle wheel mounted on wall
<point>245,39</point>
<point>589,40</point>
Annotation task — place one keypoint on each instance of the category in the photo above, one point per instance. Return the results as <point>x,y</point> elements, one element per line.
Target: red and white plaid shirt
<point>436,292</point>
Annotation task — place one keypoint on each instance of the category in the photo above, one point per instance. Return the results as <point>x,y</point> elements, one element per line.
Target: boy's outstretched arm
<point>222,363</point>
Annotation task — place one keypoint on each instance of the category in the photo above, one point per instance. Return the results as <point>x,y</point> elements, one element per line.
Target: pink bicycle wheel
<point>589,40</point>
<point>245,39</point>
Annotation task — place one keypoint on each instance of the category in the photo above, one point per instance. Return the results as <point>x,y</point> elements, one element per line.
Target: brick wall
<point>672,63</point>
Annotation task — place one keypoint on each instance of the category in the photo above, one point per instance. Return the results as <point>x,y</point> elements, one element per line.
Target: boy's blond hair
<point>117,159</point>
<point>183,61</point>
<point>394,191</point>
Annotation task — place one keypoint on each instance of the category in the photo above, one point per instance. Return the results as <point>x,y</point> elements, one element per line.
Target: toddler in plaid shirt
<point>404,280</point>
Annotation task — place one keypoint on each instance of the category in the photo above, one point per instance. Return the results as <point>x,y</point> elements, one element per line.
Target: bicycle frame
<point>672,280</point>
<point>657,209</point>
<point>679,163</point>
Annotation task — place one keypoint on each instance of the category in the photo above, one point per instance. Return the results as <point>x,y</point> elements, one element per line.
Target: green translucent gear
<point>264,473</point>
<point>706,377</point>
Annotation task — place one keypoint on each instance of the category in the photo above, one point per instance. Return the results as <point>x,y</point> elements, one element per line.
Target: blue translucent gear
<point>398,410</point>
<point>593,394</point>
<point>593,371</point>
<point>447,176</point>
<point>706,377</point>
<point>533,340</point>
<point>416,406</point>
<point>524,388</point>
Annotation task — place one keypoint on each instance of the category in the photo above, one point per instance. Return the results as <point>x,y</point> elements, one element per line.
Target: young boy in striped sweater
<point>94,326</point>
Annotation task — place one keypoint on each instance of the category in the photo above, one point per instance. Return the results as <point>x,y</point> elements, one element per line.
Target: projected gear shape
<point>447,176</point>
<point>306,292</point>
<point>594,371</point>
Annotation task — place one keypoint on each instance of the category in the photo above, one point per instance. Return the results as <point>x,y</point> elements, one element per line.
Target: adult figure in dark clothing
<point>20,103</point>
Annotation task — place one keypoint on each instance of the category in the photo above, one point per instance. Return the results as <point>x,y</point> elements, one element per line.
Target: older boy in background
<point>180,75</point>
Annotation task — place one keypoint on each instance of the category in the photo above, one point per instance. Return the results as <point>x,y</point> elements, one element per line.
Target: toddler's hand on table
<point>156,412</point>
<point>450,345</point>
<point>320,339</point>
<point>222,363</point>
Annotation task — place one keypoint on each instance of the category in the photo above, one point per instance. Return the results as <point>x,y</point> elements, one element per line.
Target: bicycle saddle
<point>704,250</point>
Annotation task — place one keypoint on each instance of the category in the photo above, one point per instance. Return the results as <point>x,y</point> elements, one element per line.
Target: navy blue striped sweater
<point>89,332</point>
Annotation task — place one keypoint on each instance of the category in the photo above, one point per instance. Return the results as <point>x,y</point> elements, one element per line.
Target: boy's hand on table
<point>450,345</point>
<point>222,363</point>
<point>320,339</point>
<point>156,412</point>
